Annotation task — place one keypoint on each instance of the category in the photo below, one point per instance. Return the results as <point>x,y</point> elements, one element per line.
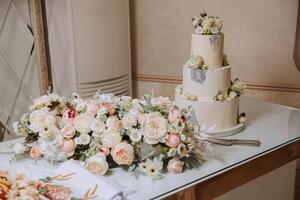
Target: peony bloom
<point>68,131</point>
<point>174,113</point>
<point>129,120</point>
<point>39,119</point>
<point>173,140</point>
<point>123,153</point>
<point>110,107</point>
<point>35,152</point>
<point>83,123</point>
<point>97,164</point>
<point>68,117</point>
<point>68,147</point>
<point>110,138</point>
<point>175,166</point>
<point>111,122</point>
<point>155,128</point>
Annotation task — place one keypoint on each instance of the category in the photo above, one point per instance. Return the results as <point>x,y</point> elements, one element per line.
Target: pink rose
<point>123,153</point>
<point>175,166</point>
<point>68,131</point>
<point>105,151</point>
<point>174,113</point>
<point>173,140</point>
<point>35,152</point>
<point>68,147</point>
<point>110,107</point>
<point>68,117</point>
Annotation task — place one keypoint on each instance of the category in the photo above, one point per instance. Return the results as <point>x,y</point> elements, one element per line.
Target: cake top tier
<point>206,24</point>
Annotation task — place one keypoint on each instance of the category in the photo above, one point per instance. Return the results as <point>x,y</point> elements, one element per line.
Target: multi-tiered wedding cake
<point>207,87</point>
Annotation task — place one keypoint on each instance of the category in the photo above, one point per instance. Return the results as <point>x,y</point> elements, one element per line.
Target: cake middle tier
<point>205,84</point>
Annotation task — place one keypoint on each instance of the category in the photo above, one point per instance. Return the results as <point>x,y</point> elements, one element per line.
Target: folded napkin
<point>82,180</point>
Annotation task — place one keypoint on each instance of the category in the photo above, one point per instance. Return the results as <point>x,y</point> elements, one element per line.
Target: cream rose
<point>39,119</point>
<point>98,127</point>
<point>123,153</point>
<point>83,122</point>
<point>129,120</point>
<point>155,129</point>
<point>68,147</point>
<point>175,166</point>
<point>111,122</point>
<point>97,164</point>
<point>68,131</point>
<point>83,139</point>
<point>110,138</point>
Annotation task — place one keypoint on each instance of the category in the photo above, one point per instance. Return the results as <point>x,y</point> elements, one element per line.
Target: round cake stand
<point>225,132</point>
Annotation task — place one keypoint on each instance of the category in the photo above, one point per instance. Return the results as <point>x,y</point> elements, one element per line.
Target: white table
<point>274,125</point>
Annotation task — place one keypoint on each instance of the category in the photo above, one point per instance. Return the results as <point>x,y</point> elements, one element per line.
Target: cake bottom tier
<point>221,115</point>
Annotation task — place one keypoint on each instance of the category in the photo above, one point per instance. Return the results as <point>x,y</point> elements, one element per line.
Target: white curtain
<point>61,43</point>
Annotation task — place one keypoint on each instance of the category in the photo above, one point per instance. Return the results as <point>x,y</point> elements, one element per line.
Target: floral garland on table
<point>150,135</point>
<point>207,25</point>
<point>20,188</point>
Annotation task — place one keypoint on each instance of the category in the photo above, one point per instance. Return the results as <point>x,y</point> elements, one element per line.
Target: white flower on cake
<point>39,119</point>
<point>129,120</point>
<point>207,25</point>
<point>178,89</point>
<point>111,137</point>
<point>97,164</point>
<point>175,166</point>
<point>83,122</point>
<point>123,153</point>
<point>197,62</point>
<point>155,129</point>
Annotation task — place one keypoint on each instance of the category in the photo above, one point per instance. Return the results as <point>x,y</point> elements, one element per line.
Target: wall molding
<point>250,85</point>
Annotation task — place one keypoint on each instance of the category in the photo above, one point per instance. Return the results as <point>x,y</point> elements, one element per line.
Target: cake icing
<point>207,87</point>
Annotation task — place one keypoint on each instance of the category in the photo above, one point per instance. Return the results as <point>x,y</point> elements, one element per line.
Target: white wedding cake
<point>207,87</point>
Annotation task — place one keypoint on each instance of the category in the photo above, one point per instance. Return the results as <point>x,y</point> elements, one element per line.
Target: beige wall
<point>259,39</point>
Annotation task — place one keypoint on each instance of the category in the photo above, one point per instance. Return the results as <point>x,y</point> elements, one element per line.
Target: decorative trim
<point>250,85</point>
<point>41,42</point>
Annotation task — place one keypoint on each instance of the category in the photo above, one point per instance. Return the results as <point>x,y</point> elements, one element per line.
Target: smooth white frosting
<point>215,80</point>
<point>222,115</point>
<point>210,48</point>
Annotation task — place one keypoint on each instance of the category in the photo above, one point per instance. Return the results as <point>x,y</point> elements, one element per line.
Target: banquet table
<point>277,127</point>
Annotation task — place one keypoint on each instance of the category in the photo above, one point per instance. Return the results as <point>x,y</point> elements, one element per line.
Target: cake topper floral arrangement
<point>207,25</point>
<point>148,135</point>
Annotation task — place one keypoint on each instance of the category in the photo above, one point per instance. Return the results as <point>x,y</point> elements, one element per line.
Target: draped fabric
<point>297,41</point>
<point>62,47</point>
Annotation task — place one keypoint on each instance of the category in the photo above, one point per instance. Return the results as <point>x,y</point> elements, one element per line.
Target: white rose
<point>155,129</point>
<point>135,135</point>
<point>175,166</point>
<point>83,139</point>
<point>97,164</point>
<point>19,148</point>
<point>111,122</point>
<point>83,122</point>
<point>98,127</point>
<point>198,30</point>
<point>129,120</point>
<point>232,94</point>
<point>49,133</point>
<point>123,153</point>
<point>39,119</point>
<point>111,137</point>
